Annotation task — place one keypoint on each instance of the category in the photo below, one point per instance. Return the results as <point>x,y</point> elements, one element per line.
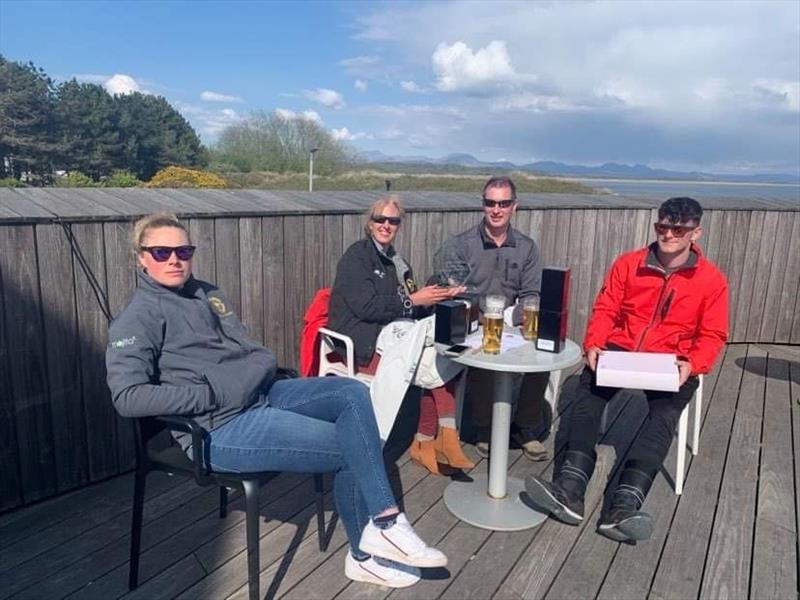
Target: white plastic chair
<point>683,426</point>
<point>683,430</point>
<point>345,369</point>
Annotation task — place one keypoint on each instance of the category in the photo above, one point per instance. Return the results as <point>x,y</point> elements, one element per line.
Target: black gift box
<point>473,311</point>
<point>451,322</point>
<point>553,309</point>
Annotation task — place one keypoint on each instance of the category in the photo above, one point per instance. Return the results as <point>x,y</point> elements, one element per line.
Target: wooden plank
<point>101,418</point>
<point>747,280</point>
<point>61,567</point>
<point>352,230</point>
<point>204,264</point>
<point>274,286</point>
<point>599,261</point>
<point>121,286</point>
<point>174,529</point>
<point>764,258</point>
<point>417,242</point>
<point>778,268</point>
<point>10,476</point>
<point>680,570</point>
<point>229,277</point>
<point>738,256</point>
<point>333,249</point>
<point>295,295</point>
<point>26,364</point>
<point>774,564</point>
<point>251,256</point>
<point>61,351</point>
<point>314,227</point>
<point>435,239</point>
<point>582,264</point>
<point>730,549</point>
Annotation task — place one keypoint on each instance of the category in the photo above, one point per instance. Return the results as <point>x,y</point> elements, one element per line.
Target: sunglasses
<point>162,253</point>
<point>501,203</point>
<point>380,219</point>
<point>677,230</point>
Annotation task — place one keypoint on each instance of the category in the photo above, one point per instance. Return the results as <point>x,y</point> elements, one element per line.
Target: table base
<point>469,501</point>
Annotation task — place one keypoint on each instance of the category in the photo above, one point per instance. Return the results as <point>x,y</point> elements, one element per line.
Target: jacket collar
<point>488,243</point>
<point>651,259</point>
<point>148,284</point>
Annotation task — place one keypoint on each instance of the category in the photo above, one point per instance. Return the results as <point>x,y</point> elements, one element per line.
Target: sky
<point>708,85</point>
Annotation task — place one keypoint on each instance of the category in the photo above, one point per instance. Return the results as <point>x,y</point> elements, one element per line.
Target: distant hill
<point>556,169</point>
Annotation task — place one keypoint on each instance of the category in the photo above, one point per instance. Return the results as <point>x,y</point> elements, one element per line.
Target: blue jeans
<point>313,425</point>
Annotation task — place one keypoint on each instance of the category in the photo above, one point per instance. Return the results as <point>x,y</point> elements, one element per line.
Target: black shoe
<point>563,498</point>
<point>626,526</point>
<point>554,500</point>
<point>624,522</point>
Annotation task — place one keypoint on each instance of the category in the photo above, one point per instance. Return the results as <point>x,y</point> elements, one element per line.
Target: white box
<point>638,371</point>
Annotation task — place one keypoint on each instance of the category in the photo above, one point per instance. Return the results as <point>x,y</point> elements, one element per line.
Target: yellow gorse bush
<point>181,177</point>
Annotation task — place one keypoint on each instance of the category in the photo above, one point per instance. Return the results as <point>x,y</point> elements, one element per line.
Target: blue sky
<point>713,86</point>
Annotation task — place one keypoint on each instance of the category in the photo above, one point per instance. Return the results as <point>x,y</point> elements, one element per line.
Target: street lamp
<point>311,154</point>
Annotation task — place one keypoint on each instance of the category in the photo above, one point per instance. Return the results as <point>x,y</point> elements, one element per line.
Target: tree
<point>271,142</point>
<point>87,129</point>
<point>154,135</point>
<point>26,121</point>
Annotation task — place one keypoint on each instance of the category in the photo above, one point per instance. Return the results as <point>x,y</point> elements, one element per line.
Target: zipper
<point>661,306</point>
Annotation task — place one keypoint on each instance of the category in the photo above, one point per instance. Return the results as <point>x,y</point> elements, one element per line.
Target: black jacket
<point>366,296</point>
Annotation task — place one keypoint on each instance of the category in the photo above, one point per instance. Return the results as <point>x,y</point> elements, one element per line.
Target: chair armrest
<point>189,425</point>
<point>348,346</point>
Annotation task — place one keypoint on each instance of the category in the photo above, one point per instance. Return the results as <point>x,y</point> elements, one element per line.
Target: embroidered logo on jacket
<point>219,306</point>
<point>122,343</point>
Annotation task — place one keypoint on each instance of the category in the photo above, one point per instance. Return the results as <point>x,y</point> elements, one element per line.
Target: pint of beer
<point>493,323</point>
<point>530,318</point>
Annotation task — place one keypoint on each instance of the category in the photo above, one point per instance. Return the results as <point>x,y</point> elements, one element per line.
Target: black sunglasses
<point>380,219</point>
<point>501,203</point>
<point>162,253</point>
<point>677,230</point>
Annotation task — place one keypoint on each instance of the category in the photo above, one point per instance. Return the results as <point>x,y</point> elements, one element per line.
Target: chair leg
<point>683,426</point>
<point>252,525</point>
<point>136,527</point>
<point>320,501</point>
<point>223,502</point>
<point>698,411</point>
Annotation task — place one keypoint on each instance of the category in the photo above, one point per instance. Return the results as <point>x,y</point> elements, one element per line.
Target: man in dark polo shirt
<point>495,258</point>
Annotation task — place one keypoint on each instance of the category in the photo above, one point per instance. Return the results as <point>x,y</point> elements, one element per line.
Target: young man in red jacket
<point>668,298</point>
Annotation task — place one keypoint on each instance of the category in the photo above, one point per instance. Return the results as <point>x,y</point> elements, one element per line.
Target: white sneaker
<point>380,572</point>
<point>400,543</point>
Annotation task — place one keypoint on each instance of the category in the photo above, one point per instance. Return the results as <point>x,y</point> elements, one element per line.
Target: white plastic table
<point>493,501</point>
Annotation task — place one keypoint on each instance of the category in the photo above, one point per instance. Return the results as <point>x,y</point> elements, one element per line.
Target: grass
<point>371,180</point>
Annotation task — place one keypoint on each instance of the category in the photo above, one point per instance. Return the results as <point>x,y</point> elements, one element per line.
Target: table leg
<point>501,428</point>
<point>494,501</point>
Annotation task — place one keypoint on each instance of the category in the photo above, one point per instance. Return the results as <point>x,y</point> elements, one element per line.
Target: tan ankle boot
<point>424,454</point>
<point>448,449</point>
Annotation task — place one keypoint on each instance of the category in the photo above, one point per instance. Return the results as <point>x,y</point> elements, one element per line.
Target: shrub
<point>11,182</point>
<point>75,179</point>
<point>121,179</point>
<point>180,177</point>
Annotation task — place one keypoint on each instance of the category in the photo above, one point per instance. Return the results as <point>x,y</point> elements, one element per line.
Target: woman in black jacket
<point>374,286</point>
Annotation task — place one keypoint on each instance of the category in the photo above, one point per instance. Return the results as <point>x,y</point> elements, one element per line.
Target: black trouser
<point>528,413</point>
<point>652,444</point>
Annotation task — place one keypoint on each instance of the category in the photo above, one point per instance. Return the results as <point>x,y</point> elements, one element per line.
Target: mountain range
<point>606,170</point>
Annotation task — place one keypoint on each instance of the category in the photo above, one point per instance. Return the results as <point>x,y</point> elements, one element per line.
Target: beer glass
<point>493,323</point>
<point>530,317</point>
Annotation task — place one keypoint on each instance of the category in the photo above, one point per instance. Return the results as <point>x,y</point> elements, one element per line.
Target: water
<point>696,189</point>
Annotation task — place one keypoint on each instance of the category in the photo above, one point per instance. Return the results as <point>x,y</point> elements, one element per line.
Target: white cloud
<point>413,87</point>
<point>91,78</point>
<point>326,97</point>
<point>360,85</point>
<point>122,84</point>
<point>288,114</point>
<point>345,135</point>
<point>360,65</point>
<point>458,68</point>
<point>209,123</point>
<point>217,97</point>
<point>783,93</point>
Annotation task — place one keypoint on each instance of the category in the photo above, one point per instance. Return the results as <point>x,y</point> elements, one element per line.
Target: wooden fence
<point>270,252</point>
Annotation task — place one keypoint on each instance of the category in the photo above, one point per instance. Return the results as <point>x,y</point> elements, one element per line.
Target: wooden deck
<point>732,534</point>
